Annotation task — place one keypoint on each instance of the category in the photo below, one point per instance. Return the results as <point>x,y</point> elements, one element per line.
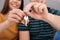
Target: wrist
<point>9,22</point>
<point>49,17</point>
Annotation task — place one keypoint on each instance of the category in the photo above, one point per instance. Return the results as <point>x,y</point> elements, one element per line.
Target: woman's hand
<point>15,15</point>
<point>39,10</point>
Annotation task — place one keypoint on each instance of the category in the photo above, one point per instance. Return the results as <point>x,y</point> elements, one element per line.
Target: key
<point>26,20</point>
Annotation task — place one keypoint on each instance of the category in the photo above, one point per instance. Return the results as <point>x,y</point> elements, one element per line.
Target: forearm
<point>4,25</point>
<point>24,35</point>
<point>54,21</point>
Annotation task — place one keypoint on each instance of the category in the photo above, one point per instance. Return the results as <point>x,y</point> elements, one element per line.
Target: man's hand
<point>39,10</point>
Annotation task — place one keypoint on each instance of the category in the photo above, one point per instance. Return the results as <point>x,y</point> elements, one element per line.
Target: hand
<point>39,1</point>
<point>39,12</point>
<point>15,15</point>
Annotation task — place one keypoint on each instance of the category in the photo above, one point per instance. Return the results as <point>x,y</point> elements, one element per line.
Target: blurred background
<point>50,3</point>
<point>1,4</point>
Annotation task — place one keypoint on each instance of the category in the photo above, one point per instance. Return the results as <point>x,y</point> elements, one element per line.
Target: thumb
<point>28,8</point>
<point>28,13</point>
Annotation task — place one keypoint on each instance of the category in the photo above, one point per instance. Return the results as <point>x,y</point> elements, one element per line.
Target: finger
<point>41,9</point>
<point>16,17</point>
<point>19,15</point>
<point>22,13</point>
<point>45,8</point>
<point>28,7</point>
<point>36,7</point>
<point>28,13</point>
<point>14,20</point>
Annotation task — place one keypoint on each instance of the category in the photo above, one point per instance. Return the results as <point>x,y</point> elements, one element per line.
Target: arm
<point>24,35</point>
<point>12,17</point>
<point>53,20</point>
<point>43,14</point>
<point>23,32</point>
<point>4,25</point>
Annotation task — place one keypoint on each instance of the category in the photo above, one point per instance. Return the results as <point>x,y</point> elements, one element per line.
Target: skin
<point>41,13</point>
<point>25,35</point>
<point>12,15</point>
<point>39,1</point>
<point>14,4</point>
<point>34,4</point>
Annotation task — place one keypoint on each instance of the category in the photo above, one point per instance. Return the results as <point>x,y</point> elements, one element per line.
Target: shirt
<point>40,30</point>
<point>11,32</point>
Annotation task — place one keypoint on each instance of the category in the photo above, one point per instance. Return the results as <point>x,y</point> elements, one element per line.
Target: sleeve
<point>22,27</point>
<point>1,18</point>
<point>53,11</point>
<point>57,12</point>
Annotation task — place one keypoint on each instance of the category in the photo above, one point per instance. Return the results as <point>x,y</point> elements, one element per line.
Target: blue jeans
<point>57,36</point>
